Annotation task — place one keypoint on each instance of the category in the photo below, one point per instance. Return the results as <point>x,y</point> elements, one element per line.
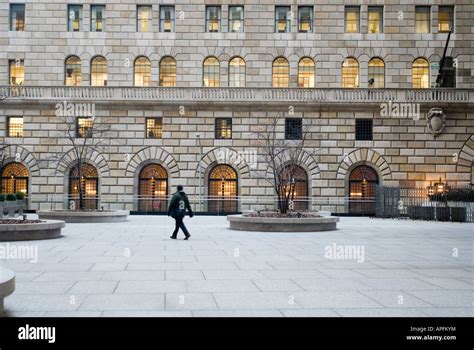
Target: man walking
<point>177,210</point>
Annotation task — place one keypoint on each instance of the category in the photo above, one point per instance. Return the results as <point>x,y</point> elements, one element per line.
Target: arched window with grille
<point>152,188</point>
<point>99,71</point>
<point>142,71</point>
<point>89,182</point>
<point>281,73</point>
<point>363,182</point>
<point>294,184</point>
<point>237,72</point>
<point>15,178</point>
<point>211,74</point>
<point>168,71</point>
<point>222,189</point>
<point>421,73</point>
<point>73,71</point>
<point>350,73</point>
<point>376,73</point>
<point>306,73</point>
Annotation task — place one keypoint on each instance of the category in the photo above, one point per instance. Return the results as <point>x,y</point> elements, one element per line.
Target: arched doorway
<point>363,182</point>
<point>222,189</point>
<point>294,177</point>
<point>89,182</point>
<point>152,188</point>
<point>14,178</point>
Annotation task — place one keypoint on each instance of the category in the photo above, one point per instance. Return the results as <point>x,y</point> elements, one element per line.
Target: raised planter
<point>272,224</point>
<point>77,216</point>
<point>7,285</point>
<point>46,229</point>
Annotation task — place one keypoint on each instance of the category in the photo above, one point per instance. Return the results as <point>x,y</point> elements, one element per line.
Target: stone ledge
<point>84,216</point>
<point>26,232</point>
<point>7,285</point>
<point>245,223</point>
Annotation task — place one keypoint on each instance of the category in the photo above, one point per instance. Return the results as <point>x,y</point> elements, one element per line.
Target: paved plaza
<point>368,267</point>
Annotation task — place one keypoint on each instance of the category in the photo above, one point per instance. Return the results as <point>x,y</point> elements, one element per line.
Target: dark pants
<point>179,224</point>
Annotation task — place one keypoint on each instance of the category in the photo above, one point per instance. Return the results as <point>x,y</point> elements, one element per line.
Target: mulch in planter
<point>276,214</point>
<point>19,222</point>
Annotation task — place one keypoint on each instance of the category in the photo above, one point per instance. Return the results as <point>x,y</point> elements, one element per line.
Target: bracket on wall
<point>436,121</point>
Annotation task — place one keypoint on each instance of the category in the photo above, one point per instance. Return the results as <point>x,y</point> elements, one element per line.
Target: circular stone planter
<point>272,224</point>
<point>84,216</point>
<point>7,285</point>
<point>26,232</point>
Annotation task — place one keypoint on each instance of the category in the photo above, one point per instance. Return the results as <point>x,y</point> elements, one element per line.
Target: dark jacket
<point>178,205</point>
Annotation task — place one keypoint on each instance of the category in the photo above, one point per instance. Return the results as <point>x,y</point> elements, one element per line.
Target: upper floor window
<point>375,19</point>
<point>211,74</point>
<point>154,128</point>
<point>293,128</point>
<point>237,72</point>
<point>350,73</point>
<point>213,19</point>
<point>73,71</point>
<point>99,71</point>
<point>376,73</point>
<point>143,18</point>
<point>167,71</point>
<point>167,18</point>
<point>84,127</point>
<point>17,17</point>
<point>15,127</point>
<point>364,130</point>
<point>97,18</point>
<point>142,71</point>
<point>352,19</point>
<point>75,18</point>
<point>445,19</point>
<point>422,19</point>
<point>421,74</point>
<point>305,19</point>
<point>282,19</point>
<point>281,73</point>
<point>306,73</point>
<point>448,73</point>
<point>236,19</point>
<point>16,72</point>
<point>223,128</point>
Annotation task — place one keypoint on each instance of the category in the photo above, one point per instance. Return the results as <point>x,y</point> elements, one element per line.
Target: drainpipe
<point>200,171</point>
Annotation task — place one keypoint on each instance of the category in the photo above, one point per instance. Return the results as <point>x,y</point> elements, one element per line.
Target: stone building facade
<point>402,149</point>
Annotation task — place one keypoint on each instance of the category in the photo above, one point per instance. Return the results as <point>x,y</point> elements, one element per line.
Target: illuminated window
<point>422,19</point>
<point>75,18</point>
<point>222,189</point>
<point>99,71</point>
<point>445,19</point>
<point>168,71</point>
<point>421,74</point>
<point>293,128</point>
<point>350,73</point>
<point>305,19</point>
<point>213,18</point>
<point>15,178</point>
<point>17,72</point>
<point>375,19</point>
<point>152,188</point>
<point>15,127</point>
<point>73,71</point>
<point>223,128</point>
<point>97,18</point>
<point>282,19</point>
<point>88,180</point>
<point>376,73</point>
<point>142,71</point>
<point>363,129</point>
<point>281,73</point>
<point>167,18</point>
<point>363,182</point>
<point>154,128</point>
<point>236,19</point>
<point>143,18</point>
<point>352,19</point>
<point>17,17</point>
<point>211,72</point>
<point>84,127</point>
<point>237,72</point>
<point>294,185</point>
<point>306,73</point>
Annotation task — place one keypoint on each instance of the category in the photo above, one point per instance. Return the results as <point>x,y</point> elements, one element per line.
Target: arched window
<point>73,71</point>
<point>89,182</point>
<point>167,71</point>
<point>363,182</point>
<point>99,71</point>
<point>421,74</point>
<point>350,73</point>
<point>294,183</point>
<point>14,178</point>
<point>152,188</point>
<point>376,73</point>
<point>142,71</point>
<point>306,73</point>
<point>237,72</point>
<point>211,74</point>
<point>222,189</point>
<point>281,73</point>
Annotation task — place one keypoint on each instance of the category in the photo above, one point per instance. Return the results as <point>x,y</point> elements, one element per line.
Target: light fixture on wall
<point>439,187</point>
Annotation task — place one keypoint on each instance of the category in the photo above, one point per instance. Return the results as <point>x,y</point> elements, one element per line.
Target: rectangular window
<point>167,19</point>
<point>213,19</point>
<point>282,19</point>
<point>236,19</point>
<point>143,18</point>
<point>445,19</point>
<point>15,127</point>
<point>16,72</point>
<point>293,128</point>
<point>17,17</point>
<point>74,13</point>
<point>223,128</point>
<point>375,19</point>
<point>363,129</point>
<point>97,18</point>
<point>154,128</point>
<point>352,19</point>
<point>84,127</point>
<point>305,19</point>
<point>422,19</point>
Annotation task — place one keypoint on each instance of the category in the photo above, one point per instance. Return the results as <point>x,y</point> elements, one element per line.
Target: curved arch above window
<point>350,73</point>
<point>142,71</point>
<point>73,71</point>
<point>421,73</point>
<point>153,171</point>
<point>280,73</point>
<point>211,74</point>
<point>376,73</point>
<point>14,177</point>
<point>237,72</point>
<point>99,71</point>
<point>168,71</point>
<point>306,73</point>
